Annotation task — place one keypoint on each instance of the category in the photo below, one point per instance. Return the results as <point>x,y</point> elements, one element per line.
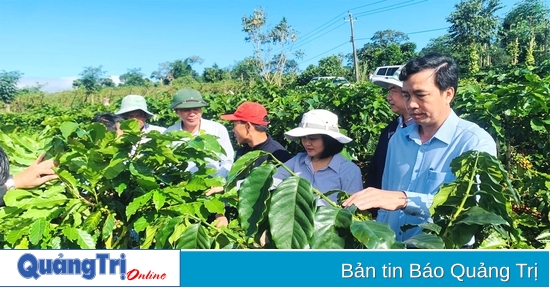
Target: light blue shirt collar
<point>334,163</point>
<point>445,133</point>
<point>400,123</point>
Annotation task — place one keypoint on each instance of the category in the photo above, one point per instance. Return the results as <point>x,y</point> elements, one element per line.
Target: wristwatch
<point>10,184</point>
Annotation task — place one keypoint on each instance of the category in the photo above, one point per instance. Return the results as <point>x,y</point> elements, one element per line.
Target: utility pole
<point>352,40</point>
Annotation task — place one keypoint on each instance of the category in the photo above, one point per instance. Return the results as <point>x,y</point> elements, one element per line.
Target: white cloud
<point>52,85</point>
<point>115,79</point>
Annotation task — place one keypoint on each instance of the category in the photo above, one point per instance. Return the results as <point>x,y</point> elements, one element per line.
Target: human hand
<point>377,198</point>
<point>36,174</point>
<point>214,190</point>
<point>221,221</point>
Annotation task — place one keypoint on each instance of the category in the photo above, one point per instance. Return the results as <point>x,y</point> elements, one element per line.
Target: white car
<point>383,72</point>
<point>335,80</point>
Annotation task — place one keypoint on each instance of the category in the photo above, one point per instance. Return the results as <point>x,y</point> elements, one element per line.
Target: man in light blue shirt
<point>419,156</point>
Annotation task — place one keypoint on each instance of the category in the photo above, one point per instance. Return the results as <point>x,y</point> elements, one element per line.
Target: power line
<point>306,36</point>
<point>389,8</point>
<point>304,43</point>
<point>316,56</point>
<point>334,20</point>
<point>425,31</point>
<point>416,32</point>
<point>301,43</point>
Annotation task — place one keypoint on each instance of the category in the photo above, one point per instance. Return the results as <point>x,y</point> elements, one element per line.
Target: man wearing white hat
<point>135,107</point>
<point>397,105</point>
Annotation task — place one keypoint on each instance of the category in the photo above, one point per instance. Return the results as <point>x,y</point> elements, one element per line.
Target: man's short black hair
<point>332,146</point>
<point>109,120</point>
<point>446,70</point>
<point>259,128</point>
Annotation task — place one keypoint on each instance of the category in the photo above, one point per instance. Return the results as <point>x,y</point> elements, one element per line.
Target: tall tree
<point>215,74</point>
<point>246,70</point>
<point>442,44</point>
<point>387,47</point>
<point>291,67</point>
<point>328,66</point>
<point>525,32</point>
<point>134,77</point>
<point>107,82</point>
<point>169,71</point>
<point>8,87</point>
<point>386,37</point>
<point>272,47</point>
<point>473,29</point>
<point>332,66</point>
<point>91,80</point>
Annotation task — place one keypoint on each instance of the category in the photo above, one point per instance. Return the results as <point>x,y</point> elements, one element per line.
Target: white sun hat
<point>387,80</point>
<point>318,121</point>
<point>132,103</point>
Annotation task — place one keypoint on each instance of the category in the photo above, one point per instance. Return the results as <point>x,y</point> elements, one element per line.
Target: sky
<point>52,41</point>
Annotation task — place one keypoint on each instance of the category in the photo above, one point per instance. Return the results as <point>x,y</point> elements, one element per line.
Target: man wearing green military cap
<point>188,103</point>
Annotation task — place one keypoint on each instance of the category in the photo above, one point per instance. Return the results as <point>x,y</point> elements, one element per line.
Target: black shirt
<point>378,160</point>
<point>270,146</point>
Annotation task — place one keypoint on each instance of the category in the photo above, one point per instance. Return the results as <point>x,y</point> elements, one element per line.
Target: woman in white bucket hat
<point>135,107</point>
<point>322,164</point>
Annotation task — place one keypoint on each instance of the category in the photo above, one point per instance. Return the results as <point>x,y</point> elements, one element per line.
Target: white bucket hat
<point>386,81</point>
<point>132,103</point>
<point>318,121</point>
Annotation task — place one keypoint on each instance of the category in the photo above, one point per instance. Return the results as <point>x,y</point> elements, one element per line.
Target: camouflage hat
<point>187,98</point>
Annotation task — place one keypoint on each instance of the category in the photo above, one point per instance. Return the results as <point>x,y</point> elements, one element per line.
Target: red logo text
<point>134,274</point>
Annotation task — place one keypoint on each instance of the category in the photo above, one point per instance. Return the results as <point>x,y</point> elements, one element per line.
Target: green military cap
<point>187,98</point>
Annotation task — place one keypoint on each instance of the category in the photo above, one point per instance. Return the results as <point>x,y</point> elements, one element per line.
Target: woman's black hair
<point>332,146</point>
<point>109,120</point>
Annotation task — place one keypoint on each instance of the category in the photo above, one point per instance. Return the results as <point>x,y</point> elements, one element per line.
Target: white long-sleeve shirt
<point>148,128</point>
<point>223,166</point>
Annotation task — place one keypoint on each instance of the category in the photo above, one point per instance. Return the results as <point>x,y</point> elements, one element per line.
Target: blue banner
<point>275,268</point>
<point>364,268</point>
<point>89,268</point>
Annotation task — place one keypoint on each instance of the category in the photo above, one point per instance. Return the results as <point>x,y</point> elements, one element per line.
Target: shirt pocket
<point>435,180</point>
<point>382,216</point>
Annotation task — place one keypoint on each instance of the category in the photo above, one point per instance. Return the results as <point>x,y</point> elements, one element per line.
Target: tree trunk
<point>8,107</point>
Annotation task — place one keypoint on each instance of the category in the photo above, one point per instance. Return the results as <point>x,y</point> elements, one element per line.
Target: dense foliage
<point>124,192</point>
<point>131,192</point>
